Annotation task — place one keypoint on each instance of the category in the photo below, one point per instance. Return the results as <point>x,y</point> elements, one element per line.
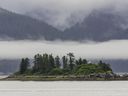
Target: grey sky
<point>64,6</point>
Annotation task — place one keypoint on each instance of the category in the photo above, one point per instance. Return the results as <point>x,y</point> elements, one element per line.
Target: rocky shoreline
<point>64,78</point>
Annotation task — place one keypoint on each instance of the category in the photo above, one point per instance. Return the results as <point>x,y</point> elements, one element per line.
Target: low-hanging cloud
<point>63,13</point>
<point>106,50</point>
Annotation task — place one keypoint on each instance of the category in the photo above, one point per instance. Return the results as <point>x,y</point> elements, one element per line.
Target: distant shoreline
<point>3,76</point>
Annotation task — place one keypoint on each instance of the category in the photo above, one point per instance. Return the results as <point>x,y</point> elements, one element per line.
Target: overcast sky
<point>63,5</point>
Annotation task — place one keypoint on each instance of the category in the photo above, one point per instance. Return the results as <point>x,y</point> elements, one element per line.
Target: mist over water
<point>116,49</point>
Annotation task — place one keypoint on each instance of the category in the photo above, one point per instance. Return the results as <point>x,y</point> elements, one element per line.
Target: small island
<point>46,67</point>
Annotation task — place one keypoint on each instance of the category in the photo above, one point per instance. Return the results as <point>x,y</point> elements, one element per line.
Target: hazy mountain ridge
<point>18,27</point>
<point>9,66</point>
<point>98,26</point>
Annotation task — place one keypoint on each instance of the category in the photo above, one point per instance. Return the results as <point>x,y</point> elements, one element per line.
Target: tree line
<point>47,64</point>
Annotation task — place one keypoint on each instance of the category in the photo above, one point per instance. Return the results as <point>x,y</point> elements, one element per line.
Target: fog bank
<point>117,49</point>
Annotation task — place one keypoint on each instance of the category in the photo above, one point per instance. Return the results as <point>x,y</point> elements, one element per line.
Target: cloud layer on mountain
<point>91,50</point>
<point>63,13</point>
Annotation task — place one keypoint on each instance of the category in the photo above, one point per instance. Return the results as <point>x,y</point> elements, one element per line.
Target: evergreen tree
<point>51,62</point>
<point>24,65</point>
<point>65,62</point>
<point>36,67</point>
<point>57,61</point>
<point>71,60</point>
<point>77,62</point>
<point>85,61</point>
<point>105,67</point>
<point>38,62</point>
<point>80,61</point>
<point>46,63</point>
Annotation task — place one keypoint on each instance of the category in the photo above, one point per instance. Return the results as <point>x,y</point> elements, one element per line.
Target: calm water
<point>15,88</point>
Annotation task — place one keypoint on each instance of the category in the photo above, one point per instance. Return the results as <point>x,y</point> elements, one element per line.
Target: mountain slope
<point>99,26</point>
<point>18,27</point>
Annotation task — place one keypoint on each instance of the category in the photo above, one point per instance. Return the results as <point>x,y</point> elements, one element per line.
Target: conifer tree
<point>65,62</point>
<point>24,65</point>
<point>51,62</point>
<point>71,60</point>
<point>57,61</point>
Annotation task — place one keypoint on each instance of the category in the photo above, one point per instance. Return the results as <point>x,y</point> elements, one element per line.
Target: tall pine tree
<point>57,61</point>
<point>24,65</point>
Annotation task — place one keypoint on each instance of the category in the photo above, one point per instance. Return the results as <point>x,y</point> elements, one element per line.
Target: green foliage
<point>103,66</point>
<point>66,71</point>
<point>86,69</point>
<point>91,69</point>
<point>56,71</point>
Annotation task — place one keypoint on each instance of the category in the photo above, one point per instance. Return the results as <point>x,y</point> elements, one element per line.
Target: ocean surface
<point>64,88</point>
